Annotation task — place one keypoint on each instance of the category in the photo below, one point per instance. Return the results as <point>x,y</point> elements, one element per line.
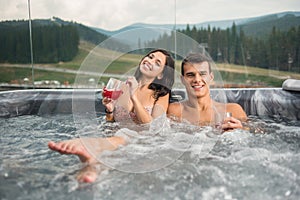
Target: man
<point>199,108</point>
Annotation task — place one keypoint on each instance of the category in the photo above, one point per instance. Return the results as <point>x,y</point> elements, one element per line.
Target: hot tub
<point>262,163</point>
<point>262,102</point>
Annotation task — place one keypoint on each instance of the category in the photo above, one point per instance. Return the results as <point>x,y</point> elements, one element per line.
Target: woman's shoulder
<point>174,107</point>
<point>175,104</point>
<point>174,111</point>
<point>163,100</point>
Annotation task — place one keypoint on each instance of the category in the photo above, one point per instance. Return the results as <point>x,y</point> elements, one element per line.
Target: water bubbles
<point>5,175</point>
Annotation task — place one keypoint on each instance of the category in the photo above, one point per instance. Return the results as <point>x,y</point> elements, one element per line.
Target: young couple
<point>148,98</point>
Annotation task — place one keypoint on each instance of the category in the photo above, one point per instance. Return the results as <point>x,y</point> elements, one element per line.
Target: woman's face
<point>153,64</point>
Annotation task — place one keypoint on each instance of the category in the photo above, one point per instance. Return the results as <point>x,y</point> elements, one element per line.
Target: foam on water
<point>232,165</point>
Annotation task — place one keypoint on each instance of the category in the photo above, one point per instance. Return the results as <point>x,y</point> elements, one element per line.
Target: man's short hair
<point>196,58</point>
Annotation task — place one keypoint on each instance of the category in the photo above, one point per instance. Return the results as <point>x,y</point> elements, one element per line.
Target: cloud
<point>214,10</point>
<point>115,14</point>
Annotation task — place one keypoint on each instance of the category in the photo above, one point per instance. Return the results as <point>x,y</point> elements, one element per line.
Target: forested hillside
<point>53,40</point>
<point>279,50</point>
<point>271,42</point>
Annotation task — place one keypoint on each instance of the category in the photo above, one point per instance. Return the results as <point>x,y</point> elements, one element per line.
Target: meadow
<point>231,75</point>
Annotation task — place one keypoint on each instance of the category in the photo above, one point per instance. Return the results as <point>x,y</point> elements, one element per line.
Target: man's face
<point>197,78</point>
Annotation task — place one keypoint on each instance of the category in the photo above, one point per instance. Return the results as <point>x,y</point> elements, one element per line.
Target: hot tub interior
<point>262,163</point>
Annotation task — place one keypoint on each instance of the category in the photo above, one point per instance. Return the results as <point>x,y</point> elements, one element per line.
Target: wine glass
<point>113,89</point>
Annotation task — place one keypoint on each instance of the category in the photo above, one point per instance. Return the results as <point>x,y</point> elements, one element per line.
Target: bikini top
<point>121,114</point>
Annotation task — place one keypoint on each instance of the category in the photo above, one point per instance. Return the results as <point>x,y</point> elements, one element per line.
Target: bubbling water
<point>258,164</point>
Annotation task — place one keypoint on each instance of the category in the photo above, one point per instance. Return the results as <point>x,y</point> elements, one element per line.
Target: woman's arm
<point>174,111</point>
<point>161,106</point>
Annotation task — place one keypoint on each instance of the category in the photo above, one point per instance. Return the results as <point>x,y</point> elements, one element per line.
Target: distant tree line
<point>278,50</point>
<point>51,43</point>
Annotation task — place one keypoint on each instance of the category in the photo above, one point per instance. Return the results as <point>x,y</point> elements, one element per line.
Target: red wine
<point>112,93</point>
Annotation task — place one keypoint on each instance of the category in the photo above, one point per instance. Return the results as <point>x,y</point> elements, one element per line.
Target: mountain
<point>255,26</point>
<point>261,26</point>
<point>85,32</point>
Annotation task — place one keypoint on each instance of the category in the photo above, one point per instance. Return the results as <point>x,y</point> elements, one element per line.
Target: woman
<point>146,97</point>
<point>147,94</point>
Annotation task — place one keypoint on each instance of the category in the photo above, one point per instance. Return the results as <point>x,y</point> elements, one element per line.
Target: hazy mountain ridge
<point>255,26</point>
<point>282,21</point>
<point>265,25</point>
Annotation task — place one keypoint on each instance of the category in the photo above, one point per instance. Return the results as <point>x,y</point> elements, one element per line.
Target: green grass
<point>13,74</point>
<point>124,64</point>
<point>250,80</point>
<point>75,63</point>
<point>17,75</point>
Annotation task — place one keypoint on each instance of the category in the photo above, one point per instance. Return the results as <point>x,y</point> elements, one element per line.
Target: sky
<point>116,14</point>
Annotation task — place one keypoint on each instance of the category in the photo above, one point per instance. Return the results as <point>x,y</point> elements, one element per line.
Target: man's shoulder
<point>230,106</point>
<point>236,110</point>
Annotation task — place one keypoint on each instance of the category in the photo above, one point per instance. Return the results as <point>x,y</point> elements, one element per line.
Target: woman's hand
<point>108,103</point>
<point>133,85</point>
<point>230,123</point>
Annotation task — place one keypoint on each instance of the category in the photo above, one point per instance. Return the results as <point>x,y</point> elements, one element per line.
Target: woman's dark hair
<point>163,86</point>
